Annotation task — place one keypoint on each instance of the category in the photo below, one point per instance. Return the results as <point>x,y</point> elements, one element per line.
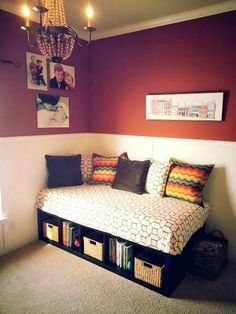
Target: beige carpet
<point>40,278</point>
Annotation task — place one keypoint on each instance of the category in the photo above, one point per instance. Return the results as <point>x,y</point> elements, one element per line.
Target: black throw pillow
<point>63,170</point>
<point>131,175</point>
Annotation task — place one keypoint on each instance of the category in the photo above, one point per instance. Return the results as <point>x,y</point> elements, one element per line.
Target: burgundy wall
<point>198,55</point>
<point>17,103</point>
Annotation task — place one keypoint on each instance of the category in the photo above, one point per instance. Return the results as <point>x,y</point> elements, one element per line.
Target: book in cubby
<point>71,235</point>
<point>121,254</point>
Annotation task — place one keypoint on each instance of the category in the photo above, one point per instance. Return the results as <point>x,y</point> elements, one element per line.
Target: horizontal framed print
<point>36,69</point>
<point>52,111</point>
<point>186,106</point>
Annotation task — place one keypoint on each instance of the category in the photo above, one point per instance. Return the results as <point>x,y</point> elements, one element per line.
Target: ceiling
<point>113,17</point>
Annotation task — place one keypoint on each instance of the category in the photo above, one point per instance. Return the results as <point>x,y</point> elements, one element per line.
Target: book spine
<point>117,253</point>
<point>110,250</point>
<point>64,232</point>
<point>121,254</point>
<point>69,233</point>
<point>125,257</point>
<point>114,251</point>
<point>70,236</point>
<point>68,224</point>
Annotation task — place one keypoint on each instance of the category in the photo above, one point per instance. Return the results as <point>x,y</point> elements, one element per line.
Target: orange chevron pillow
<point>104,169</point>
<point>186,181</point>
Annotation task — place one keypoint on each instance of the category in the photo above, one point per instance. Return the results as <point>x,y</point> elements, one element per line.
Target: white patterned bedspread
<point>165,224</point>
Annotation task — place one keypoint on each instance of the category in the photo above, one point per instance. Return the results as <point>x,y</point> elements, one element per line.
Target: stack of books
<point>71,234</point>
<point>121,254</point>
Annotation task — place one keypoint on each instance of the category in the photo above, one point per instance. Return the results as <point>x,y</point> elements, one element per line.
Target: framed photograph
<point>52,111</point>
<point>62,76</point>
<point>194,106</point>
<point>36,70</point>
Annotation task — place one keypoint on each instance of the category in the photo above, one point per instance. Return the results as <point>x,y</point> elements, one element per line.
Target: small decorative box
<point>93,246</point>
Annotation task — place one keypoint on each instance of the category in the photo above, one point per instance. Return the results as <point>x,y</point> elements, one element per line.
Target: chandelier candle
<point>89,13</point>
<point>26,13</point>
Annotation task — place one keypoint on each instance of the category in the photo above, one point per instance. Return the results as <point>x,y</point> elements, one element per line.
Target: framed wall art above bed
<point>185,106</point>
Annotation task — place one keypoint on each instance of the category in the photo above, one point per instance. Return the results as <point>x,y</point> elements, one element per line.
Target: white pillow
<point>86,167</point>
<point>157,177</point>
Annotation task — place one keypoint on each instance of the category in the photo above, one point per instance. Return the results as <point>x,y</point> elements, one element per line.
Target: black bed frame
<point>175,265</point>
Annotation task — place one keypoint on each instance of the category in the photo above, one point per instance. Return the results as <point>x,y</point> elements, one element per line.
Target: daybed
<point>164,226</point>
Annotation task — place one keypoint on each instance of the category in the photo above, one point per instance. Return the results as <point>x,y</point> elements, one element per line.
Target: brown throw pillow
<point>131,175</point>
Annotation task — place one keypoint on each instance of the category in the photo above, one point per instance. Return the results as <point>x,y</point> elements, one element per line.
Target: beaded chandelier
<point>54,38</point>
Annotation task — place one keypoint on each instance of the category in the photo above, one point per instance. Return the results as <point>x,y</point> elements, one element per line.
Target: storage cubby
<point>149,268</point>
<point>51,229</point>
<point>114,247</point>
<point>158,271</point>
<point>71,235</point>
<point>45,222</point>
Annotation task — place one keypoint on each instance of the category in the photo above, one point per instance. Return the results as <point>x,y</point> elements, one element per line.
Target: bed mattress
<point>164,224</point>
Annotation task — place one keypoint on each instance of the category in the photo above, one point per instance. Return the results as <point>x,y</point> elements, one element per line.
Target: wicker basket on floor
<point>209,256</point>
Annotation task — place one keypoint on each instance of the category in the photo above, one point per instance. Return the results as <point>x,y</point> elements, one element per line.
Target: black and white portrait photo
<point>52,111</point>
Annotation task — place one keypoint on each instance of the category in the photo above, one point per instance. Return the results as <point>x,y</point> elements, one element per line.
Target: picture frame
<point>36,71</point>
<point>52,111</point>
<point>62,76</point>
<point>185,106</point>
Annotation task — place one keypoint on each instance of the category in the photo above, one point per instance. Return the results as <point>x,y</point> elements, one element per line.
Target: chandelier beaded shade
<point>54,38</point>
<point>55,15</point>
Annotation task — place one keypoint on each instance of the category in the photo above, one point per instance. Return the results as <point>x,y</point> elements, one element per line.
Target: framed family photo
<point>62,76</point>
<point>36,71</point>
<point>52,111</point>
<point>186,106</point>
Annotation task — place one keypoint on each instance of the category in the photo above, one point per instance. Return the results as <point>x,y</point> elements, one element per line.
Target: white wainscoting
<point>220,188</point>
<point>22,175</point>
